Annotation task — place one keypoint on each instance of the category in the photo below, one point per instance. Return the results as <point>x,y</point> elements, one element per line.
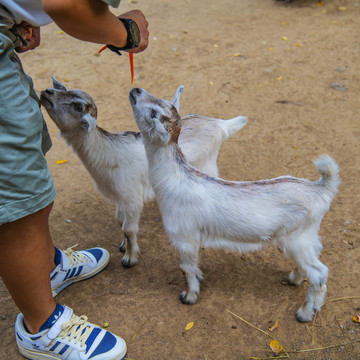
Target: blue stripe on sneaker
<point>17,334</point>
<point>67,275</point>
<point>91,338</point>
<point>52,278</point>
<point>72,273</point>
<point>97,253</point>
<point>63,349</point>
<point>55,346</point>
<point>107,343</point>
<point>79,271</point>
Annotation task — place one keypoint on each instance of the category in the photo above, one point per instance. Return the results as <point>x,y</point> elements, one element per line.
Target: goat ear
<point>88,122</point>
<point>176,99</point>
<point>57,85</point>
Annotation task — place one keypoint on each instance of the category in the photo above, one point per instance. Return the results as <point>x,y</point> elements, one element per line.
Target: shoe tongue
<point>65,264</point>
<point>56,327</point>
<point>53,318</point>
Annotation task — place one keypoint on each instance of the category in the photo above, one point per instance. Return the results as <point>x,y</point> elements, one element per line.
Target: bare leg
<point>26,261</point>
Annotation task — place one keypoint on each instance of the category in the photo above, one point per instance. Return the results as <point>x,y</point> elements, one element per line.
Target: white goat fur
<point>200,210</point>
<point>117,162</point>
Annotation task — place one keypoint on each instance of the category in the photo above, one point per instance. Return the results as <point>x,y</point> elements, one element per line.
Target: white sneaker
<point>76,266</point>
<point>70,337</point>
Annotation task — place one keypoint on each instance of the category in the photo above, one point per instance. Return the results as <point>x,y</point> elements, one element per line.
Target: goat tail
<point>329,171</point>
<point>231,126</point>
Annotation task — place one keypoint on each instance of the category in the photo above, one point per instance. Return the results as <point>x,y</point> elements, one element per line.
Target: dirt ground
<point>293,69</point>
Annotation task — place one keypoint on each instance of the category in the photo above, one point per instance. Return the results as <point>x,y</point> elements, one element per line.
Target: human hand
<point>142,24</point>
<point>29,33</point>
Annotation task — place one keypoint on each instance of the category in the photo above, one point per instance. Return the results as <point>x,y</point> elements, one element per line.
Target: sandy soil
<point>293,69</point>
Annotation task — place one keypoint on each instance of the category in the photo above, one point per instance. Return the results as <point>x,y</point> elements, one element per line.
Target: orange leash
<point>131,58</point>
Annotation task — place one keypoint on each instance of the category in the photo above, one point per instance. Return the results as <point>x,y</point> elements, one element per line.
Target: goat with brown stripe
<point>200,210</point>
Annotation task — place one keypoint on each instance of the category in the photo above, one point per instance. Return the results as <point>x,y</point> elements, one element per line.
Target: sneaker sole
<point>85,277</point>
<point>37,355</point>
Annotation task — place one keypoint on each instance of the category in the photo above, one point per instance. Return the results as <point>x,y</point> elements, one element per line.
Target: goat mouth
<point>132,98</point>
<point>44,100</point>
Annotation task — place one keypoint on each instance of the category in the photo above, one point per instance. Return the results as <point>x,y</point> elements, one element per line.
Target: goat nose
<point>50,91</point>
<point>137,91</point>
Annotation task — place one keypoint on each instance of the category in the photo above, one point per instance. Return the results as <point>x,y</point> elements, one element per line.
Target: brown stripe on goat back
<point>275,181</point>
<point>239,184</point>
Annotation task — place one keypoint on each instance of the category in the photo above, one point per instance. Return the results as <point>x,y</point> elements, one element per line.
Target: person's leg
<point>26,261</point>
<point>30,266</point>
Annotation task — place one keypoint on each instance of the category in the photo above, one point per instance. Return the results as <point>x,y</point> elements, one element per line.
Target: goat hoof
<point>303,317</point>
<point>127,263</point>
<point>187,299</point>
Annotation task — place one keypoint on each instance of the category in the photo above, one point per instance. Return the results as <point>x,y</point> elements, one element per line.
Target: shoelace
<point>77,329</point>
<point>75,257</point>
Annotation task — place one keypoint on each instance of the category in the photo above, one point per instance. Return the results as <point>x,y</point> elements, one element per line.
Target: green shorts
<point>26,185</point>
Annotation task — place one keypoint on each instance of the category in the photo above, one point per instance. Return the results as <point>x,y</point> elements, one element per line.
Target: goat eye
<point>153,114</point>
<point>78,107</point>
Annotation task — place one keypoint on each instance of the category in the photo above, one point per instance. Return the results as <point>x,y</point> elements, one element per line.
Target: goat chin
<point>200,210</point>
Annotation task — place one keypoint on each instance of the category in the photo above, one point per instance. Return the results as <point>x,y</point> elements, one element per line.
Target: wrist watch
<point>133,36</point>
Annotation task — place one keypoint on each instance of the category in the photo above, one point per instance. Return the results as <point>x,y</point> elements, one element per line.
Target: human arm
<point>92,20</point>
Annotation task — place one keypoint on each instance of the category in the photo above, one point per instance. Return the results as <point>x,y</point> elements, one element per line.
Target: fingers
<point>32,36</point>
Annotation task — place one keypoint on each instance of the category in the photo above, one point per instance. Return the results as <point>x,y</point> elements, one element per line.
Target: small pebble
<point>340,86</point>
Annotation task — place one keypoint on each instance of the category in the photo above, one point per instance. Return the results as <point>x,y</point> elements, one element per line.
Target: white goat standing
<point>198,209</point>
<point>117,162</point>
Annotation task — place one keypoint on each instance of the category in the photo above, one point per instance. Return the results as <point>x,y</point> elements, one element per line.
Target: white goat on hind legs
<point>117,162</point>
<point>198,209</point>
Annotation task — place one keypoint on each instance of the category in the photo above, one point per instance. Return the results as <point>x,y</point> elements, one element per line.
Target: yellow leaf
<point>275,346</point>
<point>60,32</point>
<point>236,54</point>
<point>356,318</point>
<point>189,325</point>
<point>285,38</point>
<point>272,328</point>
<point>61,161</point>
<point>105,325</point>
<point>279,78</point>
<point>211,83</point>
<point>342,8</point>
